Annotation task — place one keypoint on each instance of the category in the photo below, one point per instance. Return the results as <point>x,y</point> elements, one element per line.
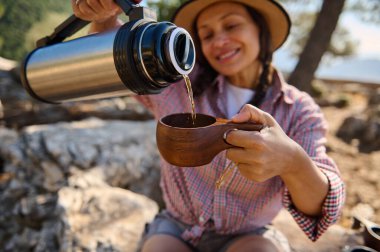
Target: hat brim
<point>274,14</point>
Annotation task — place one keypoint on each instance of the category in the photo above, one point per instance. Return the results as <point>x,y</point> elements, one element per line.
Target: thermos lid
<point>181,51</point>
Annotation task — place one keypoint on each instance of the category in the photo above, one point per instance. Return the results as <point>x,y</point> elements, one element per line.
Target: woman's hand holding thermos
<point>102,13</point>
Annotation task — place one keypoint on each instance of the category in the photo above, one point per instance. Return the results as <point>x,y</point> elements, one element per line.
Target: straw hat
<point>274,14</point>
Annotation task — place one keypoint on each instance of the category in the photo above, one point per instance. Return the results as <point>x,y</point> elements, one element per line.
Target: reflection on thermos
<point>142,57</point>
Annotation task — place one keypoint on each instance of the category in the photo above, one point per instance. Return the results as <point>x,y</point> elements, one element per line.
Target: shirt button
<point>201,219</point>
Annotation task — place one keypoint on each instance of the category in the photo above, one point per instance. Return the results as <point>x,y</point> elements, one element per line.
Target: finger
<point>110,5</point>
<point>242,156</point>
<point>75,6</point>
<point>246,139</point>
<point>86,11</point>
<point>95,5</point>
<point>250,113</point>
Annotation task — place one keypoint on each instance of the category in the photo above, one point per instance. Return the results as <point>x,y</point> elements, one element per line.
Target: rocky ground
<point>360,171</point>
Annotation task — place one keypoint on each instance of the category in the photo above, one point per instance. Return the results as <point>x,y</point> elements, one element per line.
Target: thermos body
<point>82,68</point>
<point>141,57</point>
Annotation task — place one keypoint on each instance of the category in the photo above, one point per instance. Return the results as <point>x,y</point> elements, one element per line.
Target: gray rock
<point>374,98</point>
<point>6,64</point>
<point>364,127</point>
<point>334,239</point>
<point>353,127</point>
<point>105,215</point>
<point>64,186</point>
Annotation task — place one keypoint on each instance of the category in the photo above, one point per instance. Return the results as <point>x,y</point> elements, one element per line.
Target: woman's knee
<point>164,243</point>
<point>250,243</point>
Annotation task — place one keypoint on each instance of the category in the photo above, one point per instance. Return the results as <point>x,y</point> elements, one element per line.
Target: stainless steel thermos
<point>141,57</point>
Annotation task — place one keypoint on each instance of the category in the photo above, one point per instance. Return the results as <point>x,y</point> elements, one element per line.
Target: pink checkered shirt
<point>242,205</point>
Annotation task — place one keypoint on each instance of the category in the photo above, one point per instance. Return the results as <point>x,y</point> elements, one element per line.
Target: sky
<point>367,34</point>
<point>362,67</point>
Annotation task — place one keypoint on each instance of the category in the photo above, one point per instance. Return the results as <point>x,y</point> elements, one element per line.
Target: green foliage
<point>1,10</point>
<point>24,21</point>
<point>303,14</point>
<point>341,43</point>
<point>18,17</point>
<point>165,8</point>
<point>368,10</point>
<point>46,27</point>
<point>62,6</point>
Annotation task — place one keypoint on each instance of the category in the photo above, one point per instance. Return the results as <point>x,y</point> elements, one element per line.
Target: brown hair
<point>207,74</point>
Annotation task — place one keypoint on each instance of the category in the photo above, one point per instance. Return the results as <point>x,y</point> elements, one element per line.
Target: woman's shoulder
<point>294,95</point>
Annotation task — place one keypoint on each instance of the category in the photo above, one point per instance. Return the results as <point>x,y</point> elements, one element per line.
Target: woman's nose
<point>220,39</point>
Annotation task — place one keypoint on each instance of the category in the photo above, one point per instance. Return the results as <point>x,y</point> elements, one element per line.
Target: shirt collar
<point>279,89</point>
<point>275,92</point>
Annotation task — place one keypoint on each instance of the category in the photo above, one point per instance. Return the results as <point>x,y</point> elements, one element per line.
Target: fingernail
<point>226,134</point>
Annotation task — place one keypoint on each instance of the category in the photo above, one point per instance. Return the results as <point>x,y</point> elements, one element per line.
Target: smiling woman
<point>285,165</point>
<point>226,32</point>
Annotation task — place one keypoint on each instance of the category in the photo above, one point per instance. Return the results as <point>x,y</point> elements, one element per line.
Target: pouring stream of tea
<point>191,97</point>
<point>219,183</point>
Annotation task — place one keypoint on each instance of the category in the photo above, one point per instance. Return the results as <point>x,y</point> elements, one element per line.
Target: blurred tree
<point>340,42</point>
<point>45,27</point>
<point>311,48</point>
<point>315,34</point>
<point>165,8</point>
<point>368,10</point>
<point>1,14</point>
<point>316,45</point>
<point>1,10</point>
<point>17,18</point>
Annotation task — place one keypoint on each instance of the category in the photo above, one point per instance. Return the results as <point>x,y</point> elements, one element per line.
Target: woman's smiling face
<point>229,38</point>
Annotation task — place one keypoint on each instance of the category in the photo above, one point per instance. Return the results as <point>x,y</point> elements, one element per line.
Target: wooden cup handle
<point>243,126</point>
<point>228,127</point>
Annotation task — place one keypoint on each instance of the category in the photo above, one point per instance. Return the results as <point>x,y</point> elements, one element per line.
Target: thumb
<point>252,114</point>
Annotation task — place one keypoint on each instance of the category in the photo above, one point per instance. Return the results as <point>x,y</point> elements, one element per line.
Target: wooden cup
<point>185,144</point>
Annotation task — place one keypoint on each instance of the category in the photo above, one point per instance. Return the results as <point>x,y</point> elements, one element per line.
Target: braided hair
<point>207,74</point>
<point>265,57</point>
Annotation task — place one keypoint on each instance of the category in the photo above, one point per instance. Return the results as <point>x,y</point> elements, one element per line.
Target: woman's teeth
<point>227,55</point>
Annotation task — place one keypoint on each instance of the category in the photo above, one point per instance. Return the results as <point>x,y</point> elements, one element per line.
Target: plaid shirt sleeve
<point>309,131</point>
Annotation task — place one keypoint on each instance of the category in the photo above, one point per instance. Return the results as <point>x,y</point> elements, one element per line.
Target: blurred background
<point>351,27</point>
<point>62,166</point>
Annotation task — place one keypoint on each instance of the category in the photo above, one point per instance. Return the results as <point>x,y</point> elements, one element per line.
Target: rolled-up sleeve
<point>310,132</point>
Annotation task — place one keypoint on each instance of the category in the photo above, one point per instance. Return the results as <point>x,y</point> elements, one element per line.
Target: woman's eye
<point>232,26</point>
<point>206,36</point>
